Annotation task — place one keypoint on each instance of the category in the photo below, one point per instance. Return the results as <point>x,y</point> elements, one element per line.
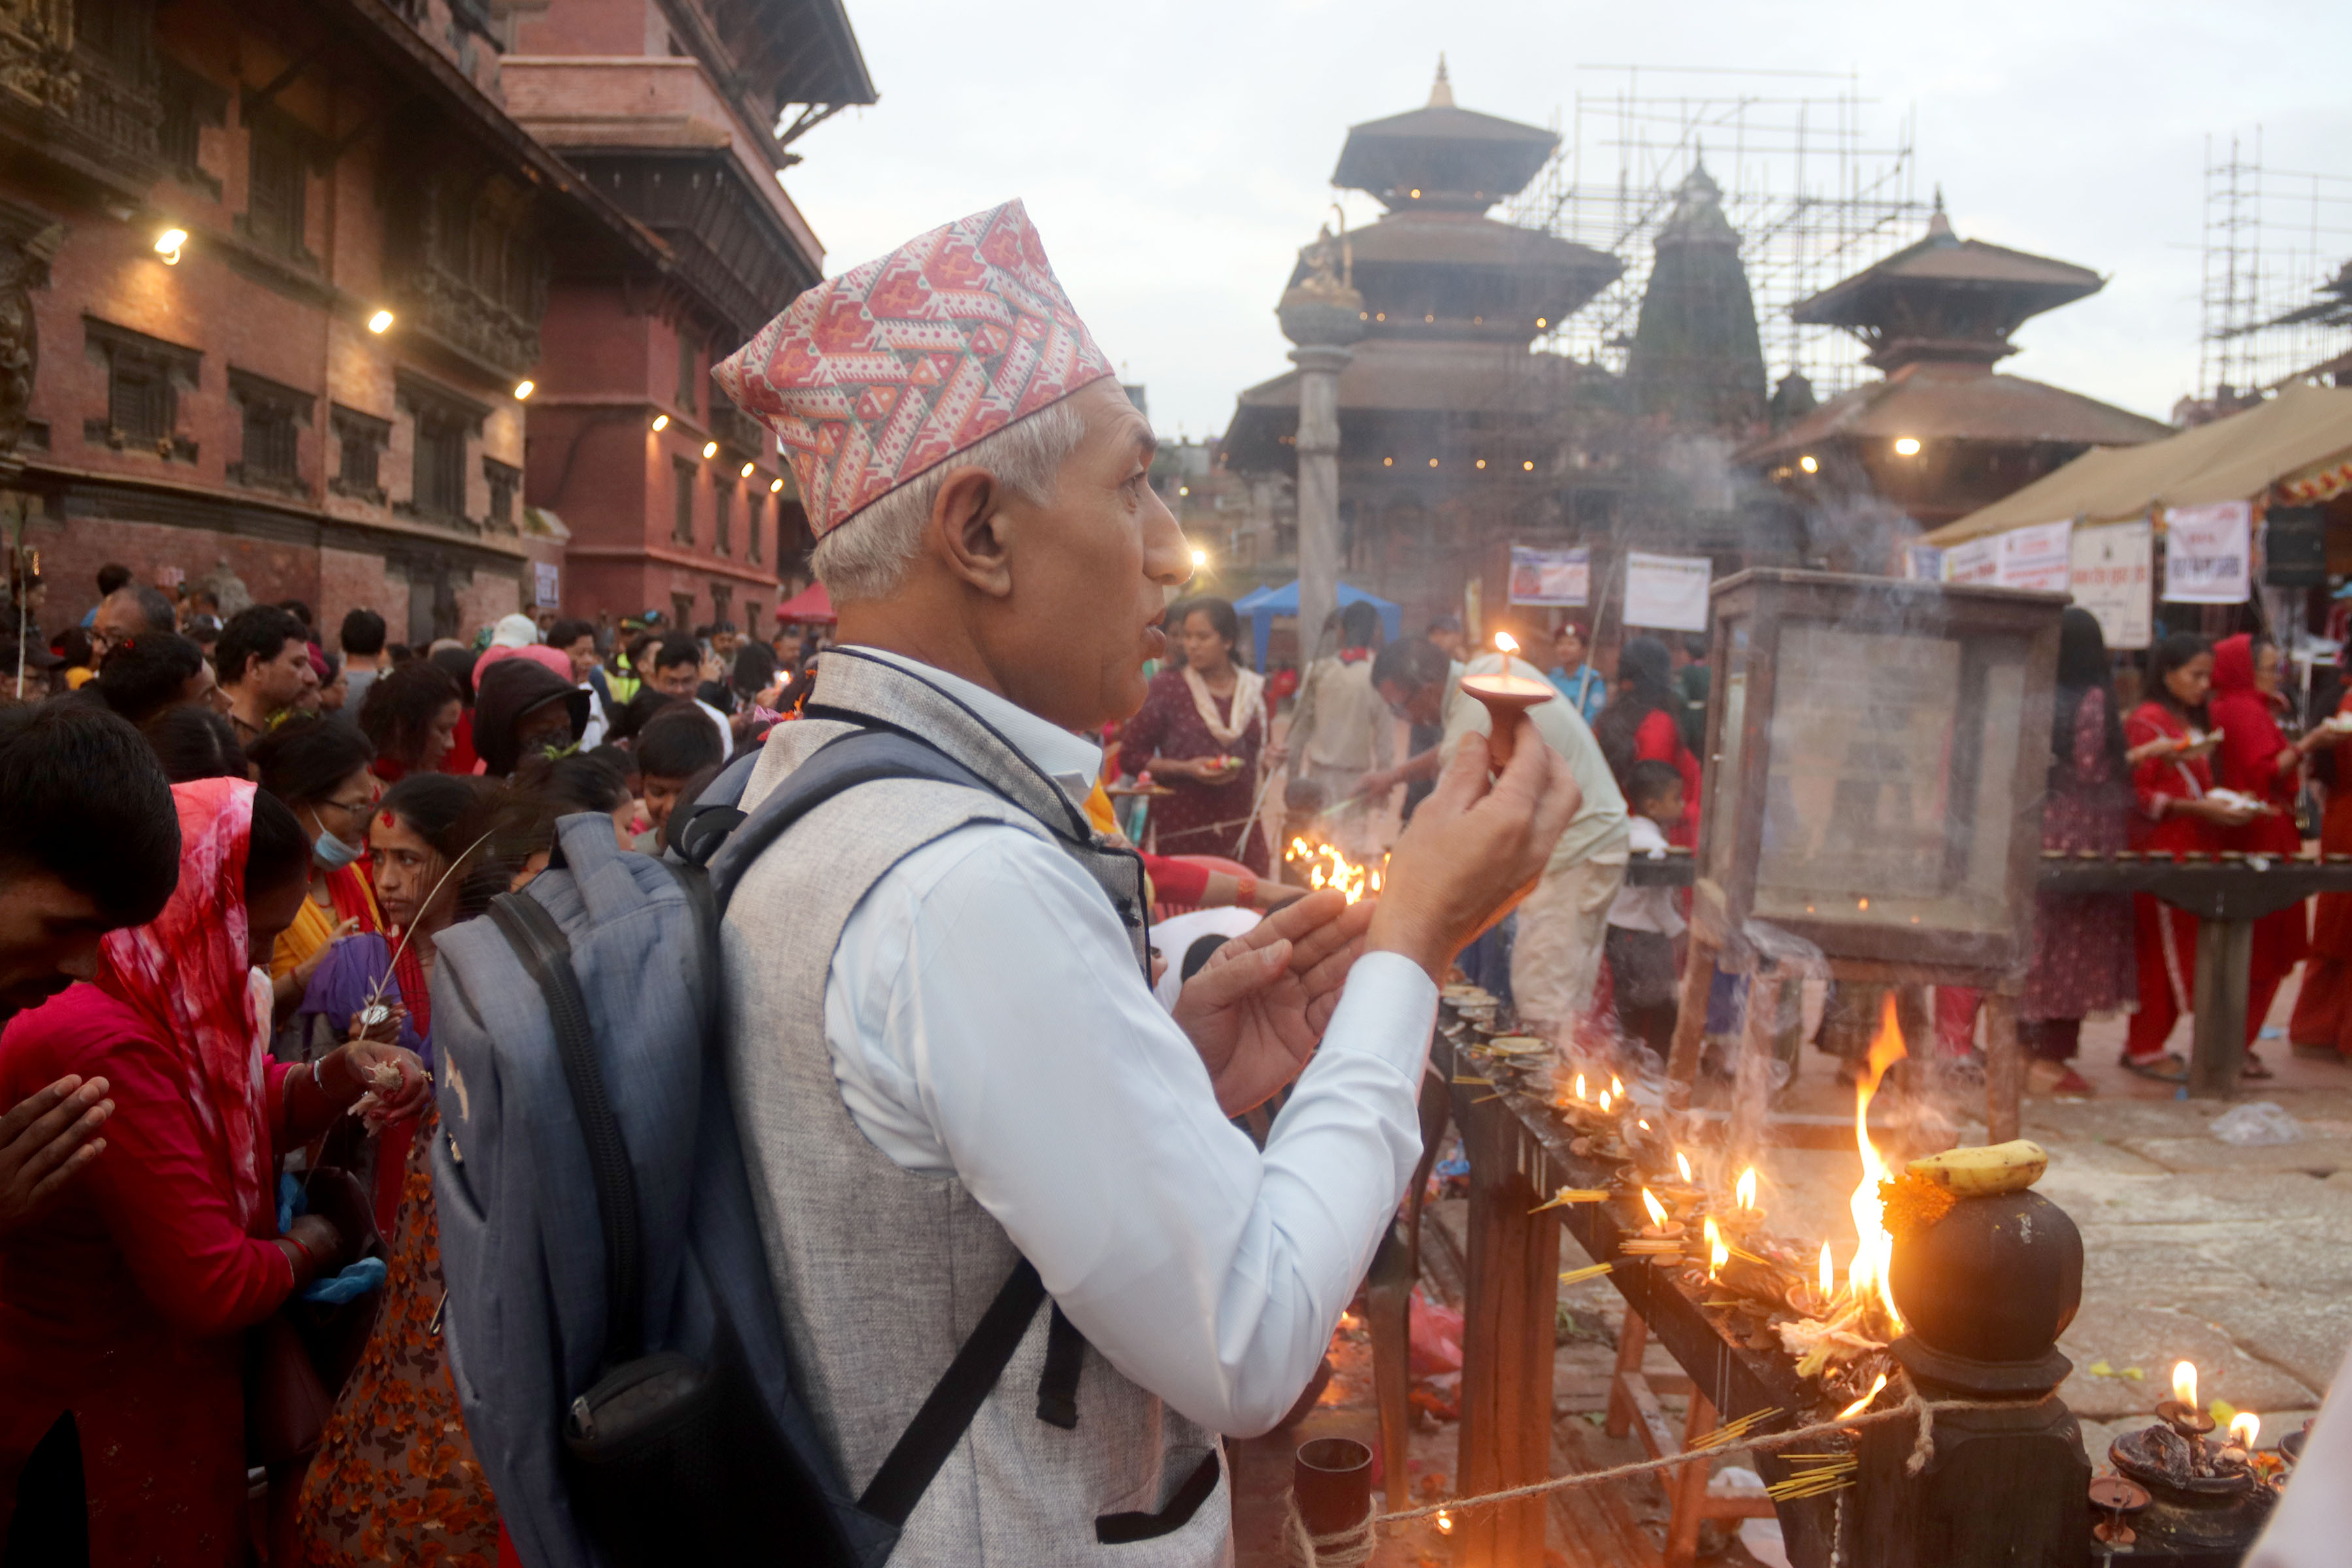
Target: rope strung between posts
<point>1349,1548</point>
<point>1913,1408</point>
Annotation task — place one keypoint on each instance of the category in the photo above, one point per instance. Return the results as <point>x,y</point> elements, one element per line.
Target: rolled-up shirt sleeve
<point>986,1017</point>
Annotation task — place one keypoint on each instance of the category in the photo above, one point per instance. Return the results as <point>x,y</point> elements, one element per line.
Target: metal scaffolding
<point>1814,194</point>
<point>2272,236</point>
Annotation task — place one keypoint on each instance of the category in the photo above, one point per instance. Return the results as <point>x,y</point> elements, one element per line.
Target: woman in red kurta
<point>2323,1009</point>
<point>2171,778</point>
<point>2256,758</point>
<point>1199,730</point>
<point>122,1310</point>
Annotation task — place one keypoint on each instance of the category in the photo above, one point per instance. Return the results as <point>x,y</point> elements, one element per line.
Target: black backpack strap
<point>1057,1386</point>
<point>546,955</point>
<point>954,1400</point>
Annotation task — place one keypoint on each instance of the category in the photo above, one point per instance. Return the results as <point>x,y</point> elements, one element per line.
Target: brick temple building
<point>277,278</point>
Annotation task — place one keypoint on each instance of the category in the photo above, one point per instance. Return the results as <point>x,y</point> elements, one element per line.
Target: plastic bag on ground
<point>2257,1124</point>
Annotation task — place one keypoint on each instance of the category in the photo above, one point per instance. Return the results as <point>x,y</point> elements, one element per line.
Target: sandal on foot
<point>2251,1070</point>
<point>2165,1068</point>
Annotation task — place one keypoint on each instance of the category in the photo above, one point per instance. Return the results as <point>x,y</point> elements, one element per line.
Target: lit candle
<point>1745,1189</point>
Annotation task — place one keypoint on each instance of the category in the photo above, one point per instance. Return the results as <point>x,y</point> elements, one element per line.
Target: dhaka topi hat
<point>878,376</point>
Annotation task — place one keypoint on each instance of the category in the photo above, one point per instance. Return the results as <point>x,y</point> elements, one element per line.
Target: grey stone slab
<point>2152,1338</point>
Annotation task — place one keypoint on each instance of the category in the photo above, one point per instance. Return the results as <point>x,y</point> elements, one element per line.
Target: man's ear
<point>968,525</point>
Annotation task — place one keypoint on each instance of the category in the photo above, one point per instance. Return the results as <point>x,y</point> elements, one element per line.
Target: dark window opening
<point>722,499</point>
<point>190,104</point>
<point>686,378</point>
<point>504,481</point>
<point>440,471</point>
<point>361,440</point>
<point>681,611</point>
<point>273,418</point>
<point>682,526</point>
<point>755,517</point>
<point>144,377</point>
<point>278,183</point>
<point>722,597</point>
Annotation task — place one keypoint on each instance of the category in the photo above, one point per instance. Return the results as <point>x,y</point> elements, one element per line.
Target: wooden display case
<point>1877,752</point>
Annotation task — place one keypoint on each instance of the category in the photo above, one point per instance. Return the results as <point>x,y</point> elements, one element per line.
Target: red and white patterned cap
<point>872,378</point>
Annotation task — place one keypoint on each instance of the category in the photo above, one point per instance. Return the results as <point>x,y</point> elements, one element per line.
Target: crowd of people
<point>238,840</point>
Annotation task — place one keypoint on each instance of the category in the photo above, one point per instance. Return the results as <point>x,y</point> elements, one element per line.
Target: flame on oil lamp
<point>2244,1428</point>
<point>1657,1210</point>
<point>1681,1165</point>
<point>2184,1382</point>
<point>1616,1086</point>
<point>1859,1405</point>
<point>2181,1412</point>
<point>1746,1188</point>
<point>1829,1276</point>
<point>1580,1086</point>
<point>1506,643</point>
<point>1867,1273</point>
<point>1604,1100</point>
<point>1444,1523</point>
<point>1718,1255</point>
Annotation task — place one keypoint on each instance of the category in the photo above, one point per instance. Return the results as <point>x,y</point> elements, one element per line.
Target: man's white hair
<point>867,557</point>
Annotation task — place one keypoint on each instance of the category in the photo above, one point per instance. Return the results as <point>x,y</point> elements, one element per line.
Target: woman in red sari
<point>320,768</point>
<point>2322,1025</point>
<point>122,1310</point>
<point>2258,759</point>
<point>2172,776</point>
<point>1641,724</point>
<point>1199,730</point>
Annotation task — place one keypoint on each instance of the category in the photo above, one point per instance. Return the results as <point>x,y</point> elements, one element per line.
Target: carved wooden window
<point>362,438</point>
<point>755,520</point>
<point>274,416</point>
<point>190,104</point>
<point>722,601</point>
<point>504,480</point>
<point>440,477</point>
<point>723,503</point>
<point>682,525</point>
<point>686,383</point>
<point>278,176</point>
<point>144,377</point>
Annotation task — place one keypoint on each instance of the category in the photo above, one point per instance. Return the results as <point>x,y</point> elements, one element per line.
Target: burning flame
<point>1444,1523</point>
<point>1718,1255</point>
<point>2244,1428</point>
<point>1657,1210</point>
<point>1829,1274</point>
<point>1326,867</point>
<point>1682,1164</point>
<point>1875,1247</point>
<point>1507,643</point>
<point>1604,1100</point>
<point>1580,1086</point>
<point>1745,1189</point>
<point>1859,1405</point>
<point>1616,1086</point>
<point>2184,1382</point>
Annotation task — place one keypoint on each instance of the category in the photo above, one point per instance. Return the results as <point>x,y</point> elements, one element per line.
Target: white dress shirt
<point>987,1021</point>
<point>1646,909</point>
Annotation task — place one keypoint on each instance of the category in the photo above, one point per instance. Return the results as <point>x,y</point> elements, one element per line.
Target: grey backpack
<point>610,1324</point>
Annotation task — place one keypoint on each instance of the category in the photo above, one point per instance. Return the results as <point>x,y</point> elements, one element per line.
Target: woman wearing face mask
<point>320,770</point>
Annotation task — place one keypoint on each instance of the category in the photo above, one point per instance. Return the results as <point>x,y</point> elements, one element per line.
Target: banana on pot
<point>1978,1173</point>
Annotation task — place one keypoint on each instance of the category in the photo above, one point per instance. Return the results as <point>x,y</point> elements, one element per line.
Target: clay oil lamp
<point>1662,1238</point>
<point>2181,1412</point>
<point>2203,1493</point>
<point>1507,695</point>
<point>2116,1499</point>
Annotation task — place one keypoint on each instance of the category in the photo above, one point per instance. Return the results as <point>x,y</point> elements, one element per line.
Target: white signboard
<point>1561,578</point>
<point>2035,558</point>
<point>2206,550</point>
<point>1666,593</point>
<point>1977,561</point>
<point>1924,562</point>
<point>2115,576</point>
<point>545,574</point>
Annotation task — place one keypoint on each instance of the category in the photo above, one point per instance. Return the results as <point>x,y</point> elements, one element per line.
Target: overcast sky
<point>1174,156</point>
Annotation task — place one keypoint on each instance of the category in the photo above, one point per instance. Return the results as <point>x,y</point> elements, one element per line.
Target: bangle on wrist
<point>1246,894</point>
<point>309,1256</point>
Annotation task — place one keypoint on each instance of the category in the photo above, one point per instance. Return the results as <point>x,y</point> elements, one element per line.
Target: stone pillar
<point>1323,314</point>
<point>1319,488</point>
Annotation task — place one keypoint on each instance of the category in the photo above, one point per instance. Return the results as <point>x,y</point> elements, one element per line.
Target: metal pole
<point>1318,490</point>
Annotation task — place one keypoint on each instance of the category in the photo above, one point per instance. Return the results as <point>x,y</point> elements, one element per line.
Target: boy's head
<point>1655,789</point>
<point>676,744</point>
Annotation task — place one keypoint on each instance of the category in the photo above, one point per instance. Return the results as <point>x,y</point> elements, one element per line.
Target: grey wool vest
<point>880,1273</point>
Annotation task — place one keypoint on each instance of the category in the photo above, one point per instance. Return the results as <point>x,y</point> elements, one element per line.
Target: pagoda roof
<point>1937,401</point>
<point>1442,155</point>
<point>1942,260</point>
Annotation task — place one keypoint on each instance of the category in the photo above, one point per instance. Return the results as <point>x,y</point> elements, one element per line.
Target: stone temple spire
<point>1441,91</point>
<point>1697,359</point>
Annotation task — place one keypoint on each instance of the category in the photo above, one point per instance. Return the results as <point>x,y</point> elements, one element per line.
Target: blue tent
<point>1260,606</point>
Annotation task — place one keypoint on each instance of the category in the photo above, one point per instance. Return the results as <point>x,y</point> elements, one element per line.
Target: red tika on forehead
<point>871,378</point>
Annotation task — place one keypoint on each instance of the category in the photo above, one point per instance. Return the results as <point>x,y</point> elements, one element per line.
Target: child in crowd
<point>1643,922</point>
<point>675,746</point>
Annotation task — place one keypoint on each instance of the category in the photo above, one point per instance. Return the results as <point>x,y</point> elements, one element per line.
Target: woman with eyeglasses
<point>319,768</point>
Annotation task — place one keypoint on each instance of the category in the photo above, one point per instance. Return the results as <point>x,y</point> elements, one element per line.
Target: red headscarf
<point>2242,715</point>
<point>190,972</point>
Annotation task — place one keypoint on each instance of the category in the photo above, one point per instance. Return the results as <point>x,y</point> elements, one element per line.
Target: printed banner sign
<point>2206,550</point>
<point>546,573</point>
<point>1668,593</point>
<point>1562,577</point>
<point>2035,558</point>
<point>1977,561</point>
<point>1924,562</point>
<point>2115,573</point>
